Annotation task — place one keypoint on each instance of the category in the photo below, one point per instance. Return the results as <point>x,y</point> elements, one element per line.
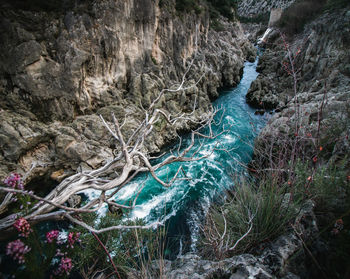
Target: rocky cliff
<point>63,64</point>
<point>320,101</point>
<point>253,8</point>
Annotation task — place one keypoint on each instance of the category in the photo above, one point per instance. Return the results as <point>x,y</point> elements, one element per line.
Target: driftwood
<point>130,161</point>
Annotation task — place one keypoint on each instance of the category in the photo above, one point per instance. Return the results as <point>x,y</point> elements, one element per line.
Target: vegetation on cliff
<point>303,153</point>
<point>305,158</point>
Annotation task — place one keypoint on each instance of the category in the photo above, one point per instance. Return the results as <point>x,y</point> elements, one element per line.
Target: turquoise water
<point>184,204</point>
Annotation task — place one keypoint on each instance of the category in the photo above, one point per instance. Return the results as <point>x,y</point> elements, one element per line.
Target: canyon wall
<point>61,66</point>
<point>253,8</point>
<point>320,101</point>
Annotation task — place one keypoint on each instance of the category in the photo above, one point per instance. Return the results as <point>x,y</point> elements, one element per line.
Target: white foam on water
<point>229,138</point>
<point>169,215</point>
<point>90,193</point>
<point>230,119</point>
<point>163,171</point>
<point>102,211</point>
<point>143,210</point>
<point>208,151</point>
<point>194,222</point>
<point>127,192</point>
<point>212,165</point>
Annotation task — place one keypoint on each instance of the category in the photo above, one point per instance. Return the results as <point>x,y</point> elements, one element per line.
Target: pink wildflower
<point>59,253</point>
<point>339,224</point>
<point>72,238</point>
<point>64,267</point>
<point>14,180</point>
<point>17,249</point>
<point>52,235</point>
<point>23,227</point>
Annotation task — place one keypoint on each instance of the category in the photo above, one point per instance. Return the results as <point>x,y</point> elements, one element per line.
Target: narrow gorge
<point>174,139</point>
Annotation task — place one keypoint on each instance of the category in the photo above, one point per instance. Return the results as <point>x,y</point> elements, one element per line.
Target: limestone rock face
<point>61,65</point>
<point>252,8</point>
<point>321,100</point>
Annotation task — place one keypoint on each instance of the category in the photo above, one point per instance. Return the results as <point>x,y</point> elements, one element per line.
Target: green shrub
<point>327,185</point>
<point>216,25</point>
<point>226,8</point>
<point>255,213</point>
<point>131,250</point>
<point>188,6</point>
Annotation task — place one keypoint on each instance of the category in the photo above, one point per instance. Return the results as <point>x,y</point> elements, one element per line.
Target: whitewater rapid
<point>183,205</point>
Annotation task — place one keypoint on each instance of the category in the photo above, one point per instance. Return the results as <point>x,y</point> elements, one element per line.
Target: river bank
<point>62,66</point>
<point>300,163</point>
<point>300,159</point>
<point>301,155</point>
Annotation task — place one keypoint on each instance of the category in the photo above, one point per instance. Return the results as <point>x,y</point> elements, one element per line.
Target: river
<point>184,204</point>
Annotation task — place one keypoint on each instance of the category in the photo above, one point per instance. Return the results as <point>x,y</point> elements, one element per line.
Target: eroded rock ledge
<point>321,101</point>
<point>62,67</point>
<point>253,8</point>
<point>279,259</point>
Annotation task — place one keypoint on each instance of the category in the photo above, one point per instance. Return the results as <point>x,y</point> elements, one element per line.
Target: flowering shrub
<point>72,238</point>
<point>17,249</point>
<point>338,226</point>
<point>23,227</point>
<point>52,254</point>
<point>52,235</point>
<point>14,181</point>
<point>43,258</point>
<point>64,267</point>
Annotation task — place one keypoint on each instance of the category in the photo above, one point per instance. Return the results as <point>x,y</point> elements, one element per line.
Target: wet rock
<point>259,112</point>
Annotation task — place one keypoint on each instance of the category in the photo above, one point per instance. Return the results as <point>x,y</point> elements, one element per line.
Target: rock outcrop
<point>253,8</point>
<point>272,261</point>
<point>320,102</point>
<point>61,66</point>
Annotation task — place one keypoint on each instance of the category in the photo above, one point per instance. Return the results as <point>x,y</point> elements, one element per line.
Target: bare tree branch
<point>111,228</point>
<point>130,159</point>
